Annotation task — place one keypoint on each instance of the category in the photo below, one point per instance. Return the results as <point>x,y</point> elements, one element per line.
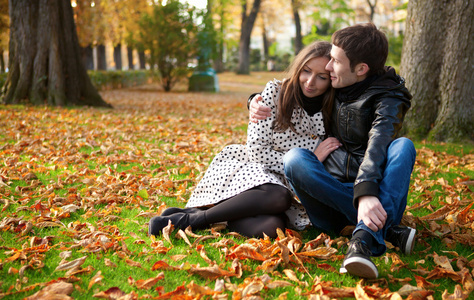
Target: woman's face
<point>314,79</point>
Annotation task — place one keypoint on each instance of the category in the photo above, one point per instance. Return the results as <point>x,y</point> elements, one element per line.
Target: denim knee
<point>403,147</point>
<point>294,160</point>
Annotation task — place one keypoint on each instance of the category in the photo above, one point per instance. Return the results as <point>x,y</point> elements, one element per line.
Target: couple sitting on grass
<point>327,134</point>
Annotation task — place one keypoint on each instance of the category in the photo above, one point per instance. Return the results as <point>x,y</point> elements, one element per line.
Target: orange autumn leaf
<point>246,251</point>
<point>161,265</point>
<point>423,283</point>
<point>150,282</point>
<point>320,252</point>
<point>96,279</point>
<point>111,293</point>
<point>211,273</point>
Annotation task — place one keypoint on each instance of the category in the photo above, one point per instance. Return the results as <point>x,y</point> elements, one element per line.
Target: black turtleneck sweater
<point>312,105</point>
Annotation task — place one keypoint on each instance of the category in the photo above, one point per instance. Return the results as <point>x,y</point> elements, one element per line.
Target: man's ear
<point>362,69</point>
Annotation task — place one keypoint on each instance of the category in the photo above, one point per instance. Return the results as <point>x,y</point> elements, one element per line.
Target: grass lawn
<point>78,186</point>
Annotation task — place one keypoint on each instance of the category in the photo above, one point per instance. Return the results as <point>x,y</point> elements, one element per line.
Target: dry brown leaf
<point>57,290</point>
<point>320,253</point>
<point>292,276</point>
<point>109,263</point>
<point>161,265</point>
<point>112,293</point>
<point>211,273</point>
<point>167,231</point>
<point>72,264</point>
<point>150,282</point>
<point>182,234</point>
<point>96,279</point>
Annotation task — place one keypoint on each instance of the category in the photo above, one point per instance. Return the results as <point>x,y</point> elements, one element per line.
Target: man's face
<point>340,69</point>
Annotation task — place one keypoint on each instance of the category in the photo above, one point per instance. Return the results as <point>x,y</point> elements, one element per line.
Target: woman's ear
<point>362,69</point>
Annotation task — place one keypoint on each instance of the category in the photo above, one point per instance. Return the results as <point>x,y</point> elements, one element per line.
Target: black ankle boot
<point>172,210</point>
<point>180,220</point>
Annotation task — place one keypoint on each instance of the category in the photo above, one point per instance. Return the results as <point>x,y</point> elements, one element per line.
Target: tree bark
<point>118,57</point>
<point>101,59</point>
<point>437,63</point>
<point>130,57</point>
<point>248,22</point>
<point>219,61</point>
<point>88,57</point>
<point>44,57</point>
<point>296,18</point>
<point>2,62</point>
<point>142,60</point>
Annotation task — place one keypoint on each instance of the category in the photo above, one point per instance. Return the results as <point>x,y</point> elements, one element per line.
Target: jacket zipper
<point>348,154</point>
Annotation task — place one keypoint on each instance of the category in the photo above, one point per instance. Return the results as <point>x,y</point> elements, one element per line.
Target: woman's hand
<point>326,147</point>
<point>257,111</point>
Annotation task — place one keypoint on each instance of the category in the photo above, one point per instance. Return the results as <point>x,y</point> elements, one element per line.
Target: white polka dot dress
<point>238,168</point>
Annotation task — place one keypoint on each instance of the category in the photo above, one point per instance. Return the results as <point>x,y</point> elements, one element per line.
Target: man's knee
<point>295,161</point>
<point>403,147</point>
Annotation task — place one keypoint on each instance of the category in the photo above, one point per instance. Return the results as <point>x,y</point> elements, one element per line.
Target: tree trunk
<point>2,62</point>
<point>118,57</point>
<point>130,57</point>
<point>245,33</point>
<point>266,46</point>
<point>437,60</point>
<point>88,57</point>
<point>101,59</point>
<point>45,60</point>
<point>296,18</point>
<point>219,61</point>
<point>142,60</point>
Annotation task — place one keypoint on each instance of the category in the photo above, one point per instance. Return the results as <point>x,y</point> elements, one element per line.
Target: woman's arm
<point>260,135</point>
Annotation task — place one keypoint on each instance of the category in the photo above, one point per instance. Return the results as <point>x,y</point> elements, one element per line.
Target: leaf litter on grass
<point>80,184</point>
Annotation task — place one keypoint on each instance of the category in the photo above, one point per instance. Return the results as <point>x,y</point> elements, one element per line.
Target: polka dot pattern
<point>238,168</point>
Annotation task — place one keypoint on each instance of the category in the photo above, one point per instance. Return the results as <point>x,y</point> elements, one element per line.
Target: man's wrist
<point>250,100</point>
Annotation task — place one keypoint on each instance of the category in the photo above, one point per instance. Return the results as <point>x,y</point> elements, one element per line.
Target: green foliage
<point>255,60</point>
<point>115,79</point>
<point>280,59</point>
<point>170,35</point>
<point>395,44</point>
<point>341,14</point>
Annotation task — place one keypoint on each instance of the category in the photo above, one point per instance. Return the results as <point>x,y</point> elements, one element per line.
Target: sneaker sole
<point>361,267</point>
<point>410,241</point>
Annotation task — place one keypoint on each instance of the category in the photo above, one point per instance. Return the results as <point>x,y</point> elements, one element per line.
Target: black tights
<point>253,212</point>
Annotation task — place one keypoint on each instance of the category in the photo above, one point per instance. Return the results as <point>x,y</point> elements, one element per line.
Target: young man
<point>365,180</point>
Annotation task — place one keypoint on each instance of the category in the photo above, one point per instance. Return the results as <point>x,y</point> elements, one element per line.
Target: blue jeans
<point>329,202</point>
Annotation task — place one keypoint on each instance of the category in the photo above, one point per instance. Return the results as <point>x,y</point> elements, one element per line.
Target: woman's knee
<point>278,198</point>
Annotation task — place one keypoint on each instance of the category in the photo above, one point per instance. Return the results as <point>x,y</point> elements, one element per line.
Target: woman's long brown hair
<point>291,93</point>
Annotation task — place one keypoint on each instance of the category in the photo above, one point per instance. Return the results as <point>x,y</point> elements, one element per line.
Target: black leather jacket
<point>366,126</point>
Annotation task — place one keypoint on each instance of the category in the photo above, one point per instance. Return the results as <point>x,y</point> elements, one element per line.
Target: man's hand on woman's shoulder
<point>257,111</point>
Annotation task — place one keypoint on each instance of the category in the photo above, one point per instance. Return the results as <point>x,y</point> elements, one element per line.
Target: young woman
<point>245,185</point>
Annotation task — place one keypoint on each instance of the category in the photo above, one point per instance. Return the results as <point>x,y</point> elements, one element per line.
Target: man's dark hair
<point>363,43</point>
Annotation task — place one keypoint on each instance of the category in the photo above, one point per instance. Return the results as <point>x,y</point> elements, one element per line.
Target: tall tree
<point>248,20</point>
<point>169,33</point>
<point>295,6</point>
<point>437,63</point>
<point>45,65</point>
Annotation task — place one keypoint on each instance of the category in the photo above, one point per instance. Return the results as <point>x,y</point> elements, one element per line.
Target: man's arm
<point>257,111</point>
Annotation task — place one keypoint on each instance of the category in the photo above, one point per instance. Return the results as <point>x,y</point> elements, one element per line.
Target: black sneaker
<point>402,237</point>
<point>357,261</point>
